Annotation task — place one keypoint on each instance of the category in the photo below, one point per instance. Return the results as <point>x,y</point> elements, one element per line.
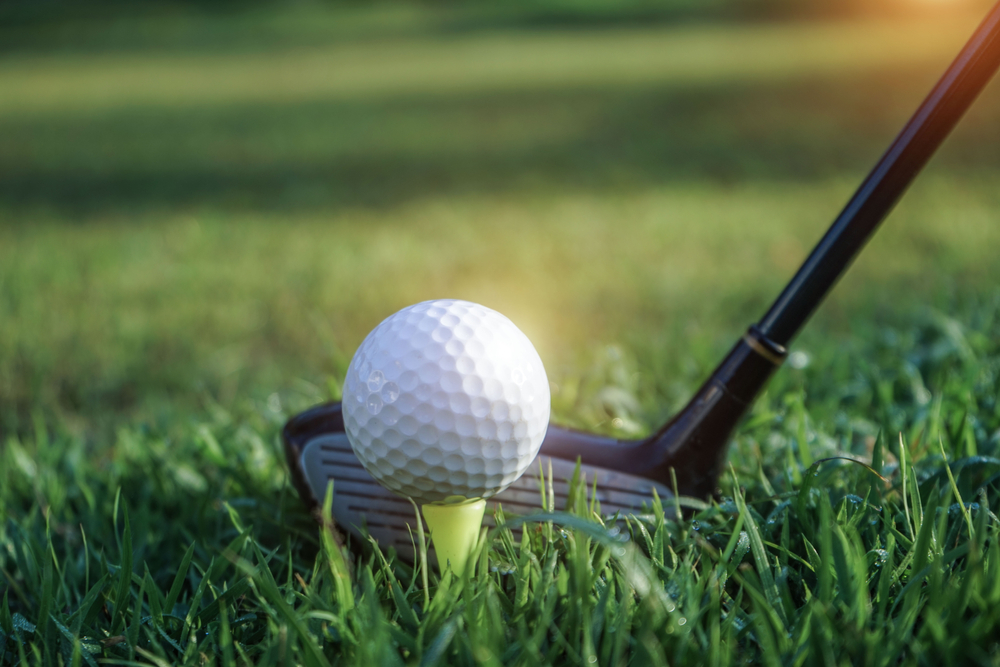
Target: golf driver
<point>691,447</point>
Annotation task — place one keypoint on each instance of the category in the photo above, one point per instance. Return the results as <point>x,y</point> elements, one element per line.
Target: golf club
<point>692,445</point>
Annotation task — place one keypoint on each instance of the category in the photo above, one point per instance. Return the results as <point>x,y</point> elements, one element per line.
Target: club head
<point>319,452</point>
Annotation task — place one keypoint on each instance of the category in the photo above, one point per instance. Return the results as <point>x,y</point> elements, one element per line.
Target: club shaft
<point>875,198</point>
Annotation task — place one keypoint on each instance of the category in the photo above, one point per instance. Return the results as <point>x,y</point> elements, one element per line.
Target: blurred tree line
<point>527,13</point>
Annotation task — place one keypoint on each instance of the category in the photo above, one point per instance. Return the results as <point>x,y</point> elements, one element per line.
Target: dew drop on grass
<point>798,359</point>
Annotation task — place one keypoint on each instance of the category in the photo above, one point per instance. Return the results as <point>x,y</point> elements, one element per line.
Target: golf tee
<point>454,528</point>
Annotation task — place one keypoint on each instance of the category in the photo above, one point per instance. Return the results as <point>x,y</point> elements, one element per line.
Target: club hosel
<point>750,364</point>
<point>693,444</point>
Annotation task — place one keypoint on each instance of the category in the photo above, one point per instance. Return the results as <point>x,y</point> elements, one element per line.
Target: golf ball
<point>446,398</point>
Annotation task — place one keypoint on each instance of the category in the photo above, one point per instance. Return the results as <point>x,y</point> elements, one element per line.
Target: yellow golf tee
<point>454,528</point>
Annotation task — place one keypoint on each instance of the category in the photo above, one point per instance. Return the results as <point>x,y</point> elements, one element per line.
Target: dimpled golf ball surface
<point>446,398</point>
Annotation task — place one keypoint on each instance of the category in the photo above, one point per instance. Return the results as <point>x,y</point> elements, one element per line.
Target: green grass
<point>808,558</point>
<point>197,228</point>
<point>162,243</point>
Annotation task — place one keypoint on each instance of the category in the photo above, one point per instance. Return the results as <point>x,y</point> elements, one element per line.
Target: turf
<point>806,555</point>
<point>189,254</point>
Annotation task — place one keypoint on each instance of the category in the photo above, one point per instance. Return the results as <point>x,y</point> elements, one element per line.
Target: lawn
<point>202,215</point>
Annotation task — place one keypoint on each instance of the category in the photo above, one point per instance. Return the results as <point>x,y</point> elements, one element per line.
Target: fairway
<point>476,65</point>
<point>202,217</point>
<point>182,223</point>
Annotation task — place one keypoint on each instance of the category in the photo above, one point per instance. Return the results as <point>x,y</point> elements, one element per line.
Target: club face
<point>319,452</point>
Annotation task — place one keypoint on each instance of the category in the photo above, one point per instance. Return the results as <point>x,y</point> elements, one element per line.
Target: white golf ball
<point>446,398</point>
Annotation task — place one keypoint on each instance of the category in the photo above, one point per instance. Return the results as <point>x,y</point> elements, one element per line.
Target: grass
<point>191,548</point>
<point>196,232</point>
<point>468,65</point>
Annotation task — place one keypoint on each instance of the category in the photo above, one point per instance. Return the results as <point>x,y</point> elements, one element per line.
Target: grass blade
<point>175,587</point>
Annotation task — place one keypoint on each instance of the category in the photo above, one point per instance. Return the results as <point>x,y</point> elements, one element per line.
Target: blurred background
<point>205,203</point>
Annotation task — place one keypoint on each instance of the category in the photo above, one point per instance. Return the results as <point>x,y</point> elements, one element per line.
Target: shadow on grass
<point>330,155</point>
